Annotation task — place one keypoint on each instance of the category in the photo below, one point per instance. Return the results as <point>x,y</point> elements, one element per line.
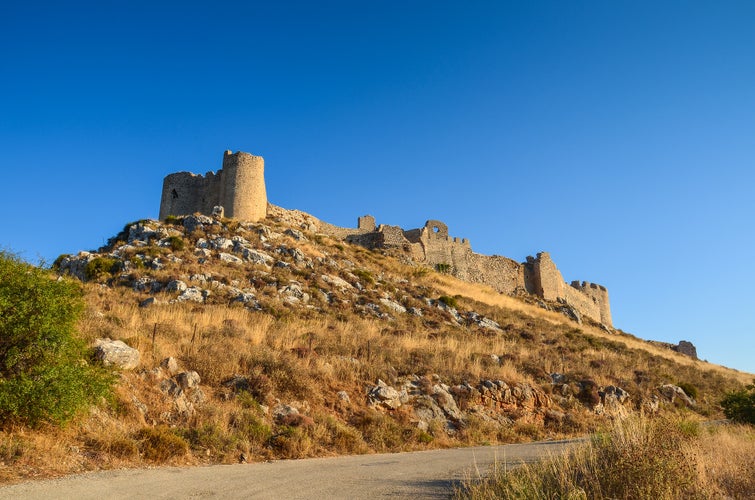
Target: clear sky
<point>619,136</point>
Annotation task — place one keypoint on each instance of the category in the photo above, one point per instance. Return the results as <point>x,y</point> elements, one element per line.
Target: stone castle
<point>238,191</point>
<point>239,187</point>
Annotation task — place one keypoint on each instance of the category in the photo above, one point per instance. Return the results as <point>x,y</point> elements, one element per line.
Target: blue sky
<point>618,135</point>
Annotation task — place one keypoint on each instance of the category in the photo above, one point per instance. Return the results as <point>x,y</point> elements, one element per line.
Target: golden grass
<point>663,458</point>
<point>487,295</point>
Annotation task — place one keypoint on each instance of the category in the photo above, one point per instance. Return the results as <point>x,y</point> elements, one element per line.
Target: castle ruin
<point>239,188</point>
<point>432,245</point>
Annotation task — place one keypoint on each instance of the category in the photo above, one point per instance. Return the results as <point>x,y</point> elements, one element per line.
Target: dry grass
<point>637,458</point>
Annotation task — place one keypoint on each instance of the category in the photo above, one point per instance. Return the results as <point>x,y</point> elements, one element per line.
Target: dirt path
<point>425,474</point>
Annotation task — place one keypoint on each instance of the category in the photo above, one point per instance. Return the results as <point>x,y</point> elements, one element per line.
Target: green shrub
<point>443,268</point>
<point>173,220</point>
<point>176,243</point>
<point>43,373</point>
<point>448,301</point>
<point>689,389</point>
<point>101,267</point>
<point>365,276</point>
<point>740,405</point>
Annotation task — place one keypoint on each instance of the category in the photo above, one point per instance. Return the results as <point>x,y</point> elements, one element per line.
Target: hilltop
<point>260,340</point>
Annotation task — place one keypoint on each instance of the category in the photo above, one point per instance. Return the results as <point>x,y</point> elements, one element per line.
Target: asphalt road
<point>418,475</point>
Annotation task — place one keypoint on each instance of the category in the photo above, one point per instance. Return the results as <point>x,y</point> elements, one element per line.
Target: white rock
<point>116,353</point>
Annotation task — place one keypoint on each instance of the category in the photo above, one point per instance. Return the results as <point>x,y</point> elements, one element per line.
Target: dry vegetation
<point>663,458</point>
<point>305,355</point>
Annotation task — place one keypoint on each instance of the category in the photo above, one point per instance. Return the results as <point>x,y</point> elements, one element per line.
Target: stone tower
<point>239,187</point>
<point>242,191</point>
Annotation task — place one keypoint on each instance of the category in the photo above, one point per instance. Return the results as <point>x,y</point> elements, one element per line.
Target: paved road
<point>418,475</point>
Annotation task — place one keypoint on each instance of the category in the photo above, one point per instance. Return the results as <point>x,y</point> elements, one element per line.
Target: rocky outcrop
<point>430,400</point>
<point>675,394</point>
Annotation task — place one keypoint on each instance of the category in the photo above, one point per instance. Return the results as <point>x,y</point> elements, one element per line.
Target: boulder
<point>188,380</point>
<point>227,257</point>
<point>672,393</point>
<point>295,234</point>
<point>192,294</point>
<point>197,221</point>
<point>175,286</point>
<point>170,365</point>
<point>116,353</point>
<point>151,301</point>
<point>385,395</point>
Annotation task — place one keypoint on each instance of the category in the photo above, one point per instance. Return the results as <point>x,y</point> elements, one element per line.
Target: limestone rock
<point>673,392</point>
<point>295,234</point>
<point>256,256</point>
<point>227,257</point>
<point>193,222</point>
<point>344,396</point>
<point>188,380</point>
<point>385,395</point>
<point>282,412</point>
<point>336,282</point>
<point>192,294</point>
<point>116,353</point>
<point>393,306</point>
<point>170,365</point>
<point>175,286</point>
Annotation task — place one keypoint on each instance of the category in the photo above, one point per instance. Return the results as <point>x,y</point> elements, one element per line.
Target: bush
<point>101,267</point>
<point>689,389</point>
<point>443,268</point>
<point>159,444</point>
<point>44,376</point>
<point>176,243</point>
<point>448,301</point>
<point>740,405</point>
<point>173,220</point>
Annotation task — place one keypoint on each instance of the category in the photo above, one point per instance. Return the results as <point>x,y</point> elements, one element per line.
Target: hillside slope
<point>267,340</point>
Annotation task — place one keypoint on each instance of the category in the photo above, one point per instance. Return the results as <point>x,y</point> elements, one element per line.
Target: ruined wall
<point>185,193</point>
<point>598,295</point>
<point>503,274</point>
<point>239,187</point>
<point>543,277</point>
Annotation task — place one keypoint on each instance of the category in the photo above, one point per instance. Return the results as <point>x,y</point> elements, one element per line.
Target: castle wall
<point>543,277</point>
<point>239,187</point>
<point>185,193</point>
<point>598,295</point>
<point>501,273</point>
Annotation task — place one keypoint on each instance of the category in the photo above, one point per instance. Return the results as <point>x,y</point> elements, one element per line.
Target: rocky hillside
<point>239,341</point>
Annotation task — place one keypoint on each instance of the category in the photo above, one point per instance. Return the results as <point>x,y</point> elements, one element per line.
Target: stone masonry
<point>239,187</point>
<point>433,246</point>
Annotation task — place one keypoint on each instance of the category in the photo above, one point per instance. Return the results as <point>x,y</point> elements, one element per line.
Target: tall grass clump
<point>661,458</point>
<point>44,375</point>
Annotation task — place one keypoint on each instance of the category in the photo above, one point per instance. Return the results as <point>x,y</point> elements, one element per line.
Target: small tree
<point>44,374</point>
<point>740,405</point>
